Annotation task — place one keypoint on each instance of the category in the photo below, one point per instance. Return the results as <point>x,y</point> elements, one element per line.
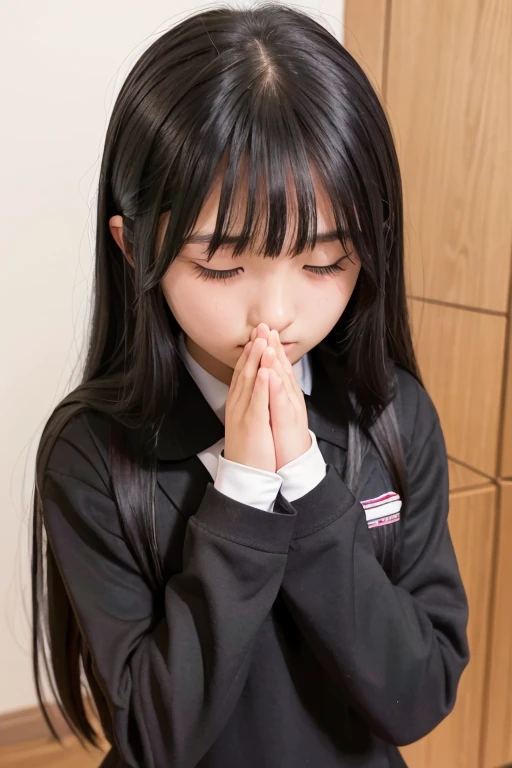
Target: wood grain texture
<point>449,99</point>
<point>506,455</point>
<point>28,724</point>
<point>497,735</point>
<point>460,353</point>
<point>463,478</point>
<point>365,31</point>
<point>455,743</point>
<point>48,754</point>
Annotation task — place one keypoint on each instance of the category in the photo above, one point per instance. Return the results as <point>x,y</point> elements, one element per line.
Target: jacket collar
<point>191,426</point>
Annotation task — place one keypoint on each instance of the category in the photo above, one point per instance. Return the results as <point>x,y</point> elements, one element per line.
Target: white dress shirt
<point>255,487</point>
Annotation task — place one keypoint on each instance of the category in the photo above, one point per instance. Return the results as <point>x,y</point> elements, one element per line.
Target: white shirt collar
<point>215,392</point>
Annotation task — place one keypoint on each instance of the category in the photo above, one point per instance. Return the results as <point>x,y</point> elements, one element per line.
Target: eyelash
<point>222,274</point>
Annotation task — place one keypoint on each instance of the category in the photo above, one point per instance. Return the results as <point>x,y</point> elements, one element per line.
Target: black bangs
<point>268,183</point>
<point>268,186</point>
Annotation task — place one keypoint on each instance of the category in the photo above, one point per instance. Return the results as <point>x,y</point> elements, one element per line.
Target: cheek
<point>194,304</point>
<point>341,289</point>
<point>352,277</point>
<point>331,300</point>
<point>348,283</point>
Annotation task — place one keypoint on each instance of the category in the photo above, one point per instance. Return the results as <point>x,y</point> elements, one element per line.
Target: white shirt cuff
<point>303,473</point>
<point>248,485</point>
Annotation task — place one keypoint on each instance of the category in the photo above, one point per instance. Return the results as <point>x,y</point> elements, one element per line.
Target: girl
<point>245,501</point>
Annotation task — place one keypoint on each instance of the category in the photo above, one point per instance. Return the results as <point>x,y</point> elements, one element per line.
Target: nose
<point>273,304</point>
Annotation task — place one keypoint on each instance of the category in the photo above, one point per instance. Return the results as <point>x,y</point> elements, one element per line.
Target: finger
<point>274,382</point>
<point>283,358</point>
<point>275,341</point>
<point>268,357</point>
<point>247,377</point>
<point>269,360</point>
<point>278,400</point>
<point>261,331</point>
<point>240,364</point>
<point>260,394</point>
<point>279,366</point>
<point>287,384</point>
<point>236,388</point>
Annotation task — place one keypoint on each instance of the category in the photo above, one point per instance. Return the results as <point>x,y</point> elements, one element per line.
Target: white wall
<point>61,66</point>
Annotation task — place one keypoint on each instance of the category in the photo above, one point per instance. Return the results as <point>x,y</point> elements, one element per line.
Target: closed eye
<point>222,274</point>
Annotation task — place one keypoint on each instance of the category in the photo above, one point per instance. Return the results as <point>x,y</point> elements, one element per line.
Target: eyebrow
<point>200,238</point>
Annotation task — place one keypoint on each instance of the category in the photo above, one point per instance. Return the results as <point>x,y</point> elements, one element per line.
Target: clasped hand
<point>266,415</point>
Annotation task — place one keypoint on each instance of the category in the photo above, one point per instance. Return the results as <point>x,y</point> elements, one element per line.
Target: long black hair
<point>267,89</point>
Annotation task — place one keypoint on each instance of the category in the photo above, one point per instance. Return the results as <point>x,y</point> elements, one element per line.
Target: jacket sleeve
<point>397,649</point>
<point>172,679</point>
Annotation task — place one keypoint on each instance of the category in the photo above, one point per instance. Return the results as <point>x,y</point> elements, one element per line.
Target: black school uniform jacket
<point>278,641</point>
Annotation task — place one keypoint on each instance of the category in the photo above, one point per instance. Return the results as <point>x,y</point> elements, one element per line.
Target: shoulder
<point>415,410</point>
<point>76,487</point>
<point>80,446</point>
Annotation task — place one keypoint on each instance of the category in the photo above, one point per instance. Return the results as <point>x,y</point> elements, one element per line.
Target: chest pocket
<point>382,510</point>
<point>380,504</point>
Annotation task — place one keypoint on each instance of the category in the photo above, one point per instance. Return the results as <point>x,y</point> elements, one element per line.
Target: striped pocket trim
<point>382,510</point>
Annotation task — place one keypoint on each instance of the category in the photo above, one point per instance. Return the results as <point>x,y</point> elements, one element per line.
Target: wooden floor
<point>49,754</point>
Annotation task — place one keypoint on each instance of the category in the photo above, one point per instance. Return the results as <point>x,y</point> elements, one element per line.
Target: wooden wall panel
<point>462,478</point>
<point>455,743</point>
<point>497,736</point>
<point>365,37</point>
<point>448,97</point>
<point>506,456</point>
<point>442,70</point>
<point>461,359</point>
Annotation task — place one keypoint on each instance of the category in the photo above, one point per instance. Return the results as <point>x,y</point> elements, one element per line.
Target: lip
<point>285,344</point>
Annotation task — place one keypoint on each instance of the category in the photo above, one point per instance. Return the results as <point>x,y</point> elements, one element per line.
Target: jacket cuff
<point>329,500</point>
<point>244,524</point>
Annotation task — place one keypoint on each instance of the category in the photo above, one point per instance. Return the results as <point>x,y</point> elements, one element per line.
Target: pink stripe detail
<point>380,499</point>
<point>384,520</point>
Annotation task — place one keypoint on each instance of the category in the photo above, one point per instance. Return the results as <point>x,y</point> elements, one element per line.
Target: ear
<point>116,229</point>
